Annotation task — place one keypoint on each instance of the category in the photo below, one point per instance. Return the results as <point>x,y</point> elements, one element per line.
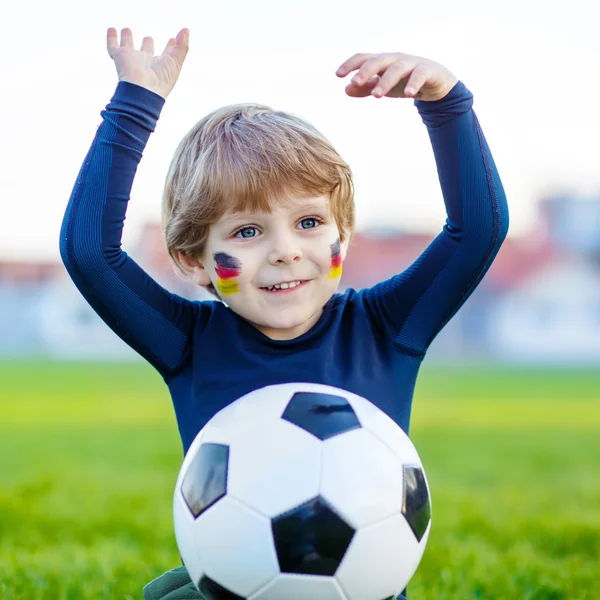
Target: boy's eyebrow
<point>315,206</point>
<point>232,218</point>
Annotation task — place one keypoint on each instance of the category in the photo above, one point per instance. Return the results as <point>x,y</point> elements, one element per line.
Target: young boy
<point>259,208</point>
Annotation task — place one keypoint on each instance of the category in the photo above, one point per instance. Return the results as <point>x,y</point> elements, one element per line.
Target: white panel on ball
<point>301,587</point>
<point>380,561</point>
<point>384,428</point>
<point>235,547</point>
<point>242,414</point>
<point>359,456</point>
<point>269,479</point>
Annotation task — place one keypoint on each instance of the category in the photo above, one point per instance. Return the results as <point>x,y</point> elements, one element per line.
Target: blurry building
<point>573,224</point>
<point>552,315</point>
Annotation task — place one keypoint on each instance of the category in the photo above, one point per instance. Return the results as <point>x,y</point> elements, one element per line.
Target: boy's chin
<point>283,326</point>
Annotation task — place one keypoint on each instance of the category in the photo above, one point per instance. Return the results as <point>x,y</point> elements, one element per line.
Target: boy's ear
<point>344,248</point>
<point>193,268</point>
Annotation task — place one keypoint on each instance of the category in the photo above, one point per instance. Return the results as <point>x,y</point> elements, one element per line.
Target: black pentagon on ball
<point>416,506</point>
<point>211,590</point>
<point>206,478</point>
<point>311,539</point>
<point>322,415</point>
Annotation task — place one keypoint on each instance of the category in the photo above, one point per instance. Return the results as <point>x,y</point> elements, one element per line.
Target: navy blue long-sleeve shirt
<point>371,342</point>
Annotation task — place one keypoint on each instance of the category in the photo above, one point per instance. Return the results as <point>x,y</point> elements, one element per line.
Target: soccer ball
<point>299,491</point>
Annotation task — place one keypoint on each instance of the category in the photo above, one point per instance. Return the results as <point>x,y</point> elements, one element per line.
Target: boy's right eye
<point>246,232</point>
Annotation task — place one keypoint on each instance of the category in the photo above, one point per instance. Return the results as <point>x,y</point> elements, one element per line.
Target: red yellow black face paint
<point>336,260</point>
<point>228,268</point>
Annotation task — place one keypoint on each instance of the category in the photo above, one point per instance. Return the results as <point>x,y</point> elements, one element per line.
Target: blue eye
<point>312,223</point>
<point>246,232</point>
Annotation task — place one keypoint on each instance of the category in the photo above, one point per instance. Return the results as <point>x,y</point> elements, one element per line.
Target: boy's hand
<point>397,75</point>
<point>156,73</point>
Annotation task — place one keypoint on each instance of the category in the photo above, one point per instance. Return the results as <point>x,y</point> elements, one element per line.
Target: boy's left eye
<point>309,223</point>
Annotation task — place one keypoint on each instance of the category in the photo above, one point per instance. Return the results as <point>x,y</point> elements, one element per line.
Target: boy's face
<point>277,269</point>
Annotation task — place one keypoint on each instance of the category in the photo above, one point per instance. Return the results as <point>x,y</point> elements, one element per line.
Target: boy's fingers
<point>354,62</point>
<point>393,74</point>
<point>169,45</point>
<point>126,38</point>
<point>148,45</point>
<point>364,90</point>
<point>181,43</point>
<point>182,39</point>
<point>373,66</point>
<point>416,80</point>
<point>111,38</point>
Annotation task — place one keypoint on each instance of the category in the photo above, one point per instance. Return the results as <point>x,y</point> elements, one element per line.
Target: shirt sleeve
<point>154,322</point>
<point>416,304</point>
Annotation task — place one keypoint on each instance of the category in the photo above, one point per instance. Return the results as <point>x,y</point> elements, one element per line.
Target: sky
<point>533,71</point>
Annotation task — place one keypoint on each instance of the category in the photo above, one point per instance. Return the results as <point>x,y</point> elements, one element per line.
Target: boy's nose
<point>285,252</point>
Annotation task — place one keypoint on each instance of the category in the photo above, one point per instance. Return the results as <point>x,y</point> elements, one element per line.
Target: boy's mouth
<point>284,287</point>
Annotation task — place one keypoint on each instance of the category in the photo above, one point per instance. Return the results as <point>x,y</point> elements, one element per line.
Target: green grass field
<point>89,455</point>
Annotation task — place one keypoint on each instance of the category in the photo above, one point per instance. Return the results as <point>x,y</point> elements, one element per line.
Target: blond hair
<point>249,157</point>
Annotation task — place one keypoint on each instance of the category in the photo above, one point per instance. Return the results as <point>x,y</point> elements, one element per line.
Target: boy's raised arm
<point>416,304</point>
<point>154,322</point>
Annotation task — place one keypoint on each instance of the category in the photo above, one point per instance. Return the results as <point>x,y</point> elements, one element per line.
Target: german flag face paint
<point>336,260</point>
<point>228,268</point>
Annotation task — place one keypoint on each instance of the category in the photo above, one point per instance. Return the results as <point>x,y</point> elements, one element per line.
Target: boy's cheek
<point>228,269</point>
<point>336,260</point>
<point>227,287</point>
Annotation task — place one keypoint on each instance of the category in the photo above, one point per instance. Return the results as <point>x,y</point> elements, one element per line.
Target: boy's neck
<point>289,334</point>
